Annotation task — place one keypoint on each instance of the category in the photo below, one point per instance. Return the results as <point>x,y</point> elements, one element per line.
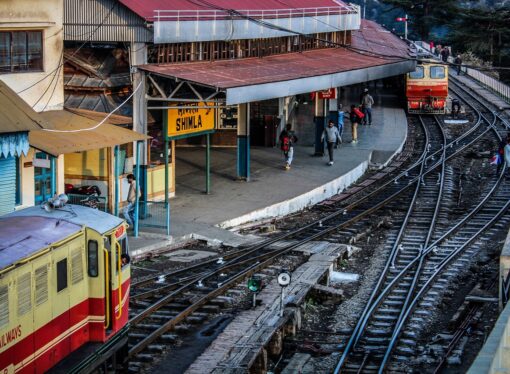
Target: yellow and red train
<point>64,290</point>
<point>427,88</point>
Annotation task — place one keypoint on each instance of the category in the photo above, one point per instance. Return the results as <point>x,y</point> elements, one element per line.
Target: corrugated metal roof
<point>15,114</point>
<point>146,8</point>
<point>57,143</point>
<point>103,20</point>
<point>252,71</point>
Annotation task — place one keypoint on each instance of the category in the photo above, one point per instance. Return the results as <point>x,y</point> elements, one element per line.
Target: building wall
<point>27,180</point>
<point>46,93</point>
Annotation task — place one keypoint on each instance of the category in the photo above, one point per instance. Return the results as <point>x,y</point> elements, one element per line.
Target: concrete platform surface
<point>272,191</point>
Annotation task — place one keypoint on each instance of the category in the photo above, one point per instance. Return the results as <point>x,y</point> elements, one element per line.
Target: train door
<point>120,281</point>
<point>60,302</point>
<point>107,253</point>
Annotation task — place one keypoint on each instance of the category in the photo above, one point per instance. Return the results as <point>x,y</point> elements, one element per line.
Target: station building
<point>39,140</point>
<point>218,74</point>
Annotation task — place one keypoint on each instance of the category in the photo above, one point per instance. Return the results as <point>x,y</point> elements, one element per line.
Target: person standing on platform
<point>458,64</point>
<point>331,135</point>
<point>366,104</point>
<point>356,116</point>
<point>445,53</point>
<point>129,209</point>
<point>287,140</point>
<point>340,124</point>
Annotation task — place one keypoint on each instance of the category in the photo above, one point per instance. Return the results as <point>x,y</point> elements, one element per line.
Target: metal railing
<point>493,84</point>
<point>91,201</point>
<point>154,214</point>
<point>213,14</point>
<point>505,289</point>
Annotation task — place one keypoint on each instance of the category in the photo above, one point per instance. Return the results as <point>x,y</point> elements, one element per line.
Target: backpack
<point>359,113</point>
<point>285,143</point>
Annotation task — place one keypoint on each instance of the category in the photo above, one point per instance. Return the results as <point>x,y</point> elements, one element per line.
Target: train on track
<point>427,88</point>
<point>64,290</point>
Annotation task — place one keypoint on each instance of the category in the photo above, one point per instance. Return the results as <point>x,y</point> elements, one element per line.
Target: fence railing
<point>154,214</point>
<point>493,84</point>
<point>97,202</point>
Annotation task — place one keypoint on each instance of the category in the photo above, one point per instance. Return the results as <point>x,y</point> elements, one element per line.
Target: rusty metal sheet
<point>372,46</point>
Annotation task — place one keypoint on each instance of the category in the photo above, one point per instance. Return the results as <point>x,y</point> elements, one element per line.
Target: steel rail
<point>460,249</point>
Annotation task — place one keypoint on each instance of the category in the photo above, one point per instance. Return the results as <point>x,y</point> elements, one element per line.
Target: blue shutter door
<point>7,185</point>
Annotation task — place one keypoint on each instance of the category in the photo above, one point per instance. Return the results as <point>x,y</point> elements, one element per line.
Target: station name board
<point>190,119</point>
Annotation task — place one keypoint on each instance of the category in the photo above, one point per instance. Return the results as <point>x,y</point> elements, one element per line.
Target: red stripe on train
<point>72,340</point>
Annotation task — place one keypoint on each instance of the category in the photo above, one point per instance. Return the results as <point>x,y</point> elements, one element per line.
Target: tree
<point>425,15</point>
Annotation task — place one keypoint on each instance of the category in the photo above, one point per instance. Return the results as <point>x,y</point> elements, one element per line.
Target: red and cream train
<point>64,291</point>
<point>427,88</point>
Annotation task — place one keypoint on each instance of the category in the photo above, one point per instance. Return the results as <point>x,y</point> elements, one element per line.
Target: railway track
<point>163,302</point>
<point>417,275</point>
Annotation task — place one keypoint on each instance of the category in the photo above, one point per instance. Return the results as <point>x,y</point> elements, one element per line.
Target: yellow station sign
<point>190,118</point>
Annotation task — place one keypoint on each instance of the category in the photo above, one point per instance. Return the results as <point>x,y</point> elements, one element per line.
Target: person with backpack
<point>332,135</point>
<point>287,140</point>
<point>355,116</point>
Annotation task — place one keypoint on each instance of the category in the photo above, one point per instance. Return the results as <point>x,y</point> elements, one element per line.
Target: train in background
<point>64,290</point>
<point>427,88</point>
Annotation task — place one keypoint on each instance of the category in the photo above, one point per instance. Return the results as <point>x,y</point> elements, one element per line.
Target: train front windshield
<point>419,73</point>
<point>437,72</point>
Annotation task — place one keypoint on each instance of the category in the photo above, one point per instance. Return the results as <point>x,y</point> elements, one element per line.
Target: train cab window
<point>419,73</point>
<point>4,306</point>
<point>437,72</point>
<point>93,259</point>
<point>62,275</point>
<point>24,288</point>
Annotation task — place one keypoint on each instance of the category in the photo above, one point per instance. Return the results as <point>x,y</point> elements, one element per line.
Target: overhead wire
<point>62,60</point>
<point>104,119</point>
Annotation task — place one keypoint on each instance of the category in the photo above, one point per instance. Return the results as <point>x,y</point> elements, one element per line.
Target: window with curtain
<point>21,51</point>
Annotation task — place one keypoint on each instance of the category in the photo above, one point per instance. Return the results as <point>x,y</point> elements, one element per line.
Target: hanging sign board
<point>328,94</point>
<point>190,119</point>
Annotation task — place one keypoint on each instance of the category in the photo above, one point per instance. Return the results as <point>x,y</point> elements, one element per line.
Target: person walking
<point>355,116</point>
<point>129,209</point>
<point>458,64</point>
<point>287,140</point>
<point>445,53</point>
<point>366,104</point>
<point>331,135</point>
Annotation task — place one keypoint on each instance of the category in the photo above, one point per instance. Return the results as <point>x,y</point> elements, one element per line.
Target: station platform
<point>271,191</point>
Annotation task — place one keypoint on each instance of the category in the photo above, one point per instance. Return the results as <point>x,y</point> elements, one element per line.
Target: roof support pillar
<point>321,115</point>
<point>243,141</point>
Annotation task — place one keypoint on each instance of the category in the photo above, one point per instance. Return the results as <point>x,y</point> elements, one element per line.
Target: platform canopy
<point>375,53</point>
<point>63,137</point>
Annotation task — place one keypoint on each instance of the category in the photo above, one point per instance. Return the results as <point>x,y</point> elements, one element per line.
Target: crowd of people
<point>444,53</point>
<point>359,115</point>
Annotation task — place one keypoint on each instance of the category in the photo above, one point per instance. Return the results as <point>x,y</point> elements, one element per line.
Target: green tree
<point>483,31</point>
<point>425,15</point>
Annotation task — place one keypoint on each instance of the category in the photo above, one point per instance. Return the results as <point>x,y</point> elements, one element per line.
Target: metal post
<point>405,28</point>
<point>53,179</point>
<point>116,176</point>
<point>254,299</point>
<point>137,176</point>
<point>167,143</point>
<point>281,302</point>
<point>208,164</point>
<point>364,8</point>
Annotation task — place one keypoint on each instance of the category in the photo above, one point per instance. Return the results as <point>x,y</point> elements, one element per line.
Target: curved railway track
<point>407,293</point>
<point>162,302</point>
